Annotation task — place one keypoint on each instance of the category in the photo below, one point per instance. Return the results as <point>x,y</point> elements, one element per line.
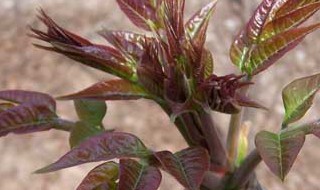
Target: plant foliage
<point>172,66</point>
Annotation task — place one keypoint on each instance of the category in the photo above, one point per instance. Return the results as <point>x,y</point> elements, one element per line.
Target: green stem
<point>234,132</point>
<point>233,138</point>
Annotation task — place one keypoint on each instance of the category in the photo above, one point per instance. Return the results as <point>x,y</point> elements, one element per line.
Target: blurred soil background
<point>24,67</point>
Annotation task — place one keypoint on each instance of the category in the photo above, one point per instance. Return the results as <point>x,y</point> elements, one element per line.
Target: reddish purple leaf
<point>173,17</point>
<point>110,90</point>
<point>21,96</point>
<point>107,146</point>
<point>287,6</point>
<point>128,43</point>
<point>142,13</point>
<point>279,151</point>
<point>26,118</point>
<point>288,21</point>
<point>250,34</point>
<point>57,33</point>
<point>172,14</point>
<point>136,176</point>
<point>257,21</point>
<point>187,166</point>
<point>197,25</point>
<point>104,174</point>
<point>150,71</point>
<point>77,48</point>
<point>267,53</point>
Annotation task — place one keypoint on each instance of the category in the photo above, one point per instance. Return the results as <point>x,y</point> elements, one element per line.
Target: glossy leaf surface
<point>255,25</point>
<point>291,5</point>
<point>128,43</point>
<point>110,90</point>
<point>196,27</point>
<point>136,176</point>
<point>26,118</point>
<point>279,152</point>
<point>267,53</point>
<point>250,34</point>
<point>271,33</point>
<point>298,97</point>
<point>106,146</point>
<point>187,166</point>
<point>142,13</point>
<point>105,174</point>
<point>289,21</point>
<point>22,96</point>
<point>26,112</point>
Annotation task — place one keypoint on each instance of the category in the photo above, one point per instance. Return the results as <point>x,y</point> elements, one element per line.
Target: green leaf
<point>136,176</point>
<point>187,166</point>
<point>82,131</point>
<point>103,147</point>
<point>298,97</point>
<point>110,90</point>
<point>279,151</point>
<point>207,62</point>
<point>105,174</point>
<point>91,111</point>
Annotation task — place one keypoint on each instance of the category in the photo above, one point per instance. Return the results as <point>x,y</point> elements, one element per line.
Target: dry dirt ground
<point>24,67</point>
